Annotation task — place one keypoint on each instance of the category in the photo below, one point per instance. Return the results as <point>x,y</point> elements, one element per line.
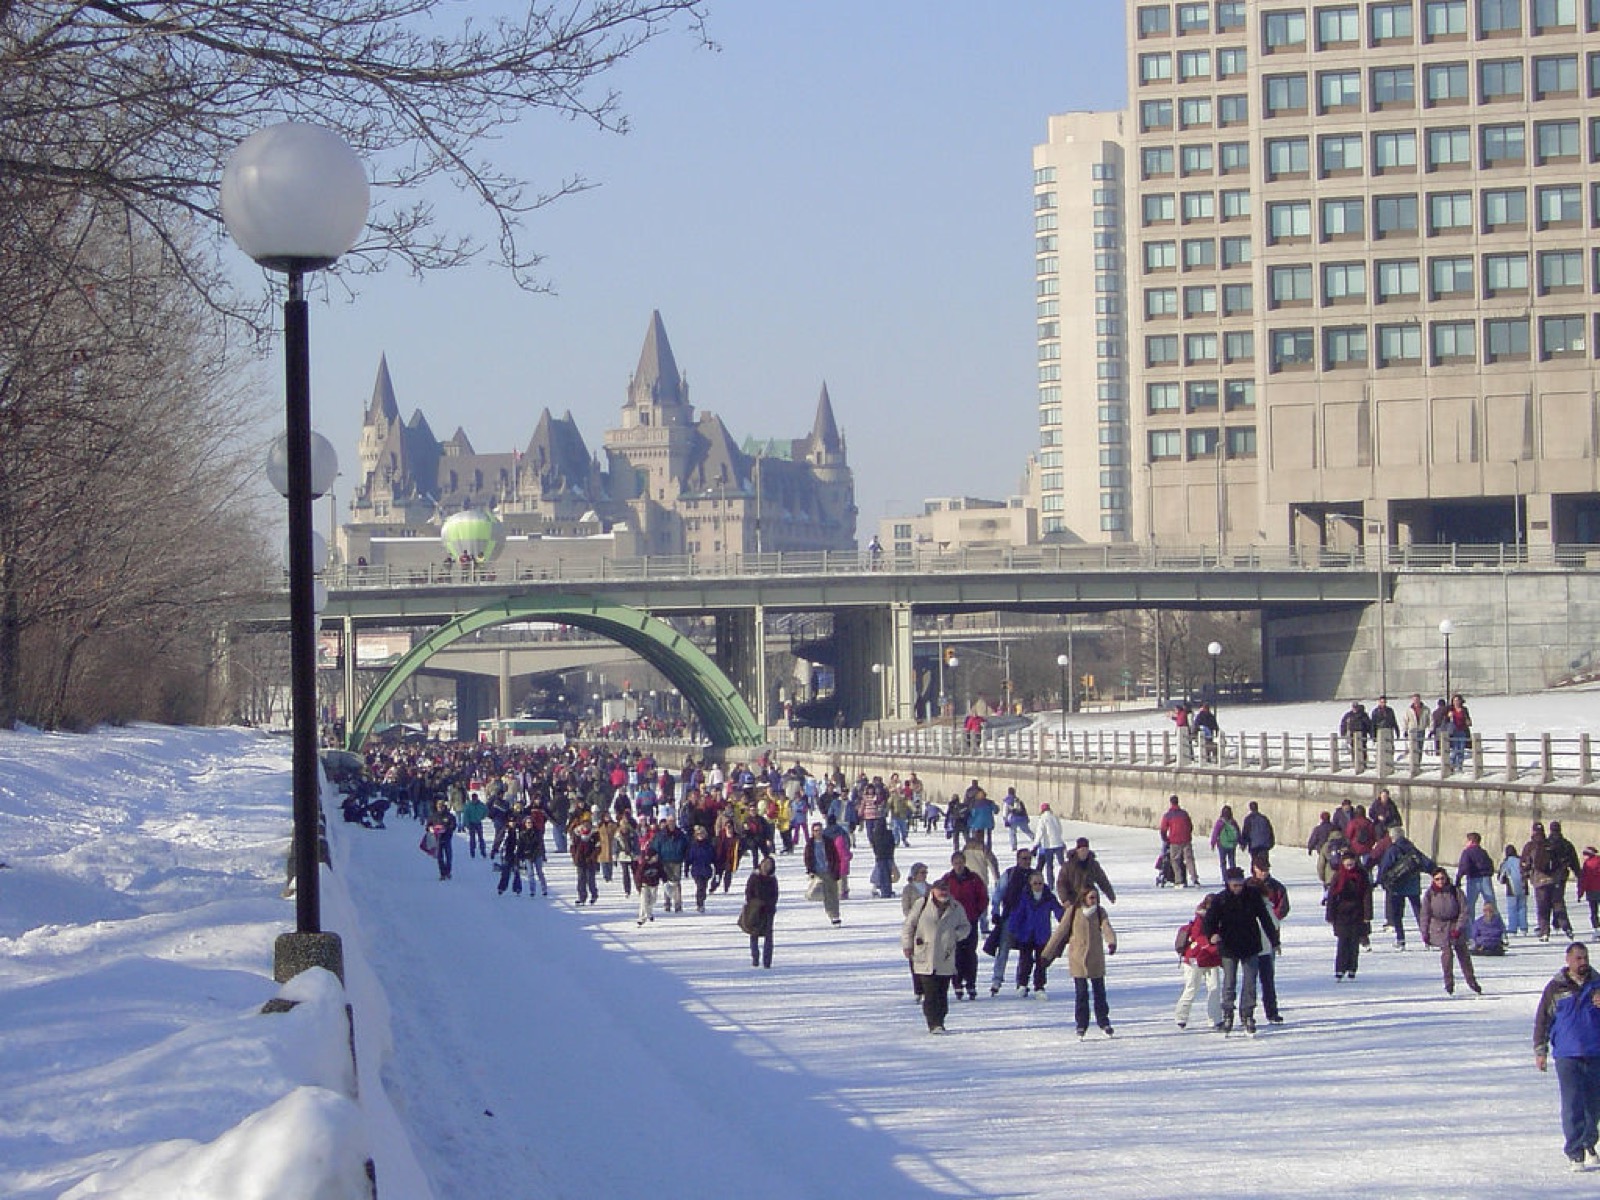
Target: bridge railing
<point>1515,758</point>
<point>1043,559</point>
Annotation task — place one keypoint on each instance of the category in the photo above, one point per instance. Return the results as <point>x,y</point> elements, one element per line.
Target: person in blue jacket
<point>1030,924</point>
<point>1566,1027</point>
<point>671,845</point>
<point>701,860</point>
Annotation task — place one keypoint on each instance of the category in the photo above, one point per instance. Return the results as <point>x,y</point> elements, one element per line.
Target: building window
<point>1560,205</point>
<point>1233,110</point>
<point>1449,212</point>
<point>1447,83</point>
<point>1505,209</point>
<point>1161,350</point>
<point>1338,26</point>
<point>1290,287</point>
<point>1155,20</point>
<point>1344,346</point>
<point>1288,158</point>
<point>1444,20</point>
<point>1202,395</point>
<point>1233,157</point>
<point>1500,17</point>
<point>1344,283</point>
<point>1505,273</point>
<point>1199,348</point>
<point>1239,394</point>
<point>1239,345</point>
<point>1561,337</point>
<point>1453,342</point>
<point>1200,301</point>
<point>1155,161</point>
<point>1342,218</point>
<point>1394,87</point>
<point>1155,114</point>
<point>1232,63</point>
<point>1161,256</point>
<point>1202,443</point>
<point>1394,151</point>
<point>1284,95</point>
<point>1394,216</point>
<point>1505,339</point>
<point>1339,154</point>
<point>1199,253</point>
<point>1238,299</point>
<point>1555,16</point>
<point>1289,221</point>
<point>1230,15</point>
<point>1155,68</point>
<point>1284,30</point>
<point>1398,280</point>
<point>1165,444</point>
<point>1235,252</point>
<point>1500,79</point>
<point>1450,278</point>
<point>1194,18</point>
<point>1199,206</point>
<point>1235,204</point>
<point>1242,441</point>
<point>1160,302</point>
<point>1555,77</point>
<point>1194,112</point>
<point>1194,64</point>
<point>1162,397</point>
<point>1560,271</point>
<point>1399,344</point>
<point>1391,23</point>
<point>1293,350</point>
<point>1557,141</point>
<point>1449,149</point>
<point>1338,90</point>
<point>1197,160</point>
<point>1160,208</point>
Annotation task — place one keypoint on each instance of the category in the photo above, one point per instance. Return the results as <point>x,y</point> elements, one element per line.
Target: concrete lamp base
<point>295,952</point>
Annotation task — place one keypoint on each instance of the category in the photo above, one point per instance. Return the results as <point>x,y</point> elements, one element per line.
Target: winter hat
<point>1232,874</point>
<point>1083,843</point>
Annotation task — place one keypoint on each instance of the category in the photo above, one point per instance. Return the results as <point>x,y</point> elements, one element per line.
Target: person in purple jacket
<point>1475,873</point>
<point>1446,920</point>
<point>1030,924</point>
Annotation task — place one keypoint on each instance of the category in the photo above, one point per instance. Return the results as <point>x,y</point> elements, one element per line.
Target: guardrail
<point>1041,559</point>
<point>1539,759</point>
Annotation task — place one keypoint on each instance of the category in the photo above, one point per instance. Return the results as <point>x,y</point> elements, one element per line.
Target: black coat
<point>761,903</point>
<point>1238,920</point>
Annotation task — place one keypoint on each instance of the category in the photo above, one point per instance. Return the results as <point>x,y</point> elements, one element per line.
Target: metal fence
<point>1512,758</point>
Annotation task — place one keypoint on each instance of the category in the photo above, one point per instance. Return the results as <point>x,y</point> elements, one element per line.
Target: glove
<point>1277,951</point>
<point>1112,948</point>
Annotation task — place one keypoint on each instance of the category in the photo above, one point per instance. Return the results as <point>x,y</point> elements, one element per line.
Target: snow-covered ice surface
<point>517,1047</point>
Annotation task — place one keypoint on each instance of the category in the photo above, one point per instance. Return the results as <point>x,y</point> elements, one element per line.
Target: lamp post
<point>1064,661</point>
<point>1446,628</point>
<point>294,198</point>
<point>1215,651</point>
<point>952,662</point>
<point>883,702</point>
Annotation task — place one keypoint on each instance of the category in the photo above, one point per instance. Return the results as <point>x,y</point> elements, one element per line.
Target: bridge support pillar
<point>472,705</point>
<point>742,655</point>
<point>876,680</point>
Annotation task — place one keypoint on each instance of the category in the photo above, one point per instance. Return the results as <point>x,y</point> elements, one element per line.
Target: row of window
<point>1489,210</point>
<point>1388,23</point>
<point>1449,278</point>
<point>1454,342</point>
<point>1200,395</point>
<point>1165,445</point>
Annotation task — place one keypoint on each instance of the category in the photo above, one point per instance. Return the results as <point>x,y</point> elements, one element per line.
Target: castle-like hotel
<point>673,482</point>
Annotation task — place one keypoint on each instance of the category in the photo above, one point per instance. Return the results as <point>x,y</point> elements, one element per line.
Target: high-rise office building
<point>1362,272</point>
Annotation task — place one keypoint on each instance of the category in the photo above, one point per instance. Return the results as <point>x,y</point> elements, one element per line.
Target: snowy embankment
<point>138,909</point>
<point>527,1048</point>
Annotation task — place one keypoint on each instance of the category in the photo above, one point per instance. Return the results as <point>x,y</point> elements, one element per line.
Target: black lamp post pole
<point>302,609</point>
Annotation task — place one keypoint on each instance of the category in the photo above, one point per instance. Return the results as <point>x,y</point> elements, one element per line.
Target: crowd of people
<point>629,822</point>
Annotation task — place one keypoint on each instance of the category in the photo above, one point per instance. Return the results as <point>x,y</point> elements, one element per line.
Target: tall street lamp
<point>294,198</point>
<point>1215,651</point>
<point>1446,628</point>
<point>1064,661</point>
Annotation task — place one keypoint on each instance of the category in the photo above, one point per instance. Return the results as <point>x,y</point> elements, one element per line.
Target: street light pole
<point>294,197</point>
<point>1064,661</point>
<point>1215,651</point>
<point>1446,628</point>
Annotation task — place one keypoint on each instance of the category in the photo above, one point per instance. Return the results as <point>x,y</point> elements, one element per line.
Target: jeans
<point>446,855</point>
<point>1478,888</point>
<point>559,830</point>
<point>1394,911</point>
<point>587,874</point>
<point>1080,997</point>
<point>1031,963</point>
<point>1225,858</point>
<point>882,870</point>
<point>1516,913</point>
<point>1051,859</point>
<point>1458,749</point>
<point>475,843</point>
<point>761,949</point>
<point>1184,872</point>
<point>1580,1102</point>
<point>1002,954</point>
<point>1240,974</point>
<point>902,833</point>
<point>967,962</point>
<point>1266,968</point>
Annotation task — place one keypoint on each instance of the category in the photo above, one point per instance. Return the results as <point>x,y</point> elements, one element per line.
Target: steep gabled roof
<point>718,462</point>
<point>656,379</point>
<point>557,454</point>
<point>825,430</point>
<point>382,406</point>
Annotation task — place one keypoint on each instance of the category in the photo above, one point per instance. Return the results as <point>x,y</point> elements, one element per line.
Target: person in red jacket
<point>1589,884</point>
<point>968,890</point>
<point>1202,963</point>
<point>1177,831</point>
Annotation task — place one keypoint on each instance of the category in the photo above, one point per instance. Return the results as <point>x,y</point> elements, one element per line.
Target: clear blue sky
<point>841,193</point>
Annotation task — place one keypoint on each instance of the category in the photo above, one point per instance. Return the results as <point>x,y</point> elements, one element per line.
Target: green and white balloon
<point>476,533</point>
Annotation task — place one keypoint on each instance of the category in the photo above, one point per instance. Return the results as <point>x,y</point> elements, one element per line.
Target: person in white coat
<point>1051,842</point>
<point>928,938</point>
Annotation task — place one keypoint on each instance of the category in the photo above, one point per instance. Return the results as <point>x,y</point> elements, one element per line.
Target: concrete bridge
<point>1333,623</point>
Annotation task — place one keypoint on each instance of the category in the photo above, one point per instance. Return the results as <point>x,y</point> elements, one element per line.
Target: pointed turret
<point>825,430</point>
<point>656,379</point>
<point>382,406</point>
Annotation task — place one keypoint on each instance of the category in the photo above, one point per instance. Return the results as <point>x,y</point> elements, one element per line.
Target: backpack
<point>1407,863</point>
<point>1228,839</point>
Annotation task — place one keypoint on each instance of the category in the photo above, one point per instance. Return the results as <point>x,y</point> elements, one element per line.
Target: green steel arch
<point>723,711</point>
